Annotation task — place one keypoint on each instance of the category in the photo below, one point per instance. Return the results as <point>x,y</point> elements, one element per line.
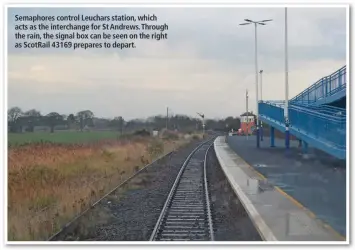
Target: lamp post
<point>246,99</point>
<point>261,99</point>
<point>287,122</point>
<point>262,22</point>
<point>261,84</point>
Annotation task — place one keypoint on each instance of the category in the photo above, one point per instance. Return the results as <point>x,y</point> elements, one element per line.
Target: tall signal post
<point>203,122</point>
<point>167,117</point>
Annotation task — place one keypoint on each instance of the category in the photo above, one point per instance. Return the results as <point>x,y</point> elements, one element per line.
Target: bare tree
<point>12,116</point>
<point>54,119</point>
<point>70,120</point>
<point>118,122</point>
<point>31,118</point>
<point>84,118</point>
<point>32,112</point>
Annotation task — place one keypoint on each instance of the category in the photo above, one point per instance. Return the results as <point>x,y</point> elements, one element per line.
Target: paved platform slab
<point>274,214</point>
<point>318,182</point>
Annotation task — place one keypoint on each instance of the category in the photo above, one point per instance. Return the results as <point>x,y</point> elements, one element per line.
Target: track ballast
<point>186,215</point>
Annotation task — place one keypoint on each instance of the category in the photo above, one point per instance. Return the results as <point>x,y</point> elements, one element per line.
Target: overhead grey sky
<point>206,64</point>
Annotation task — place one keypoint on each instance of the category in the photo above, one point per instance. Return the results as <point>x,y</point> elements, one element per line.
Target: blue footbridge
<point>290,197</point>
<point>317,115</point>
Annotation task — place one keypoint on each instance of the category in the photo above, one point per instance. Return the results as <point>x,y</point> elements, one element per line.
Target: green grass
<point>60,137</point>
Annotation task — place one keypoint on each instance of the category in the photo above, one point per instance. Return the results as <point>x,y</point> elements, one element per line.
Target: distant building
<point>86,128</point>
<point>44,128</point>
<point>247,123</point>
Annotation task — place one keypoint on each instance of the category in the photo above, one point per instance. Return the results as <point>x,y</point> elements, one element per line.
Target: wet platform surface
<point>277,215</point>
<point>318,183</point>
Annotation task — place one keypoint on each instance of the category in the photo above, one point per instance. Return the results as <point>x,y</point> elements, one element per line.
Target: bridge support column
<point>287,136</point>
<point>305,150</point>
<point>261,131</point>
<point>299,143</point>
<point>272,137</point>
<point>257,133</point>
<point>305,147</point>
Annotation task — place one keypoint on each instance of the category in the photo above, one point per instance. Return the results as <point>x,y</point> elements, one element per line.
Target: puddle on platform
<point>260,166</point>
<point>256,186</point>
<point>264,185</point>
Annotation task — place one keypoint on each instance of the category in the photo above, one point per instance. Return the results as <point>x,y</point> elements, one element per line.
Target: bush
<point>126,137</point>
<point>170,135</point>
<point>196,137</point>
<point>155,148</point>
<point>142,132</point>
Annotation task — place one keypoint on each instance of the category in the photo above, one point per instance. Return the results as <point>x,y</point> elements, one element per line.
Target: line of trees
<point>19,120</point>
<point>27,121</point>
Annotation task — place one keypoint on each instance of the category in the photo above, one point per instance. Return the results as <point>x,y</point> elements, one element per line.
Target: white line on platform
<point>263,229</point>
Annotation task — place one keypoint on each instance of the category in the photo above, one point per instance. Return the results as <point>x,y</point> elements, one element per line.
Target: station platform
<point>316,180</point>
<point>276,215</point>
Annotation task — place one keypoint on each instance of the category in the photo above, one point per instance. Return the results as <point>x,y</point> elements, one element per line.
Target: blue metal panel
<point>331,129</point>
<point>339,153</point>
<point>273,123</point>
<point>323,127</point>
<point>311,120</point>
<point>324,109</point>
<point>332,98</point>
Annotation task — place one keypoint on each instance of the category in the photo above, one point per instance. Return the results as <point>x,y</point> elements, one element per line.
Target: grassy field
<point>48,184</point>
<point>60,137</point>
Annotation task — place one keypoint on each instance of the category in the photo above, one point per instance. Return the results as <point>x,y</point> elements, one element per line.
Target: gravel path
<point>130,213</point>
<point>230,220</point>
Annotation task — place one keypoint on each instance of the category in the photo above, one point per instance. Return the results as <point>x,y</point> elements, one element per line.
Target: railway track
<point>186,215</point>
<point>72,229</point>
<point>76,218</point>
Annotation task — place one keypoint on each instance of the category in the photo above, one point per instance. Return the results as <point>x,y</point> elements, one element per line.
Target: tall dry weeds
<point>49,184</point>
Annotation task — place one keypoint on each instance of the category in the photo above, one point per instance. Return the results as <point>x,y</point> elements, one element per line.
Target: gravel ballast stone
<point>130,212</point>
<point>230,220</point>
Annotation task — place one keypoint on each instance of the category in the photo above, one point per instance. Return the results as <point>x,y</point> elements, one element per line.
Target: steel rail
<point>186,214</point>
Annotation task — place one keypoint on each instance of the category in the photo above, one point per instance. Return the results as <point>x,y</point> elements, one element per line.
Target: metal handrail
<point>308,105</point>
<point>328,128</point>
<point>327,81</point>
<point>307,110</point>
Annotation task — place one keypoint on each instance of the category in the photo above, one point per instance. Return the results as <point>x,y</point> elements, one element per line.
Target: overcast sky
<point>206,64</point>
